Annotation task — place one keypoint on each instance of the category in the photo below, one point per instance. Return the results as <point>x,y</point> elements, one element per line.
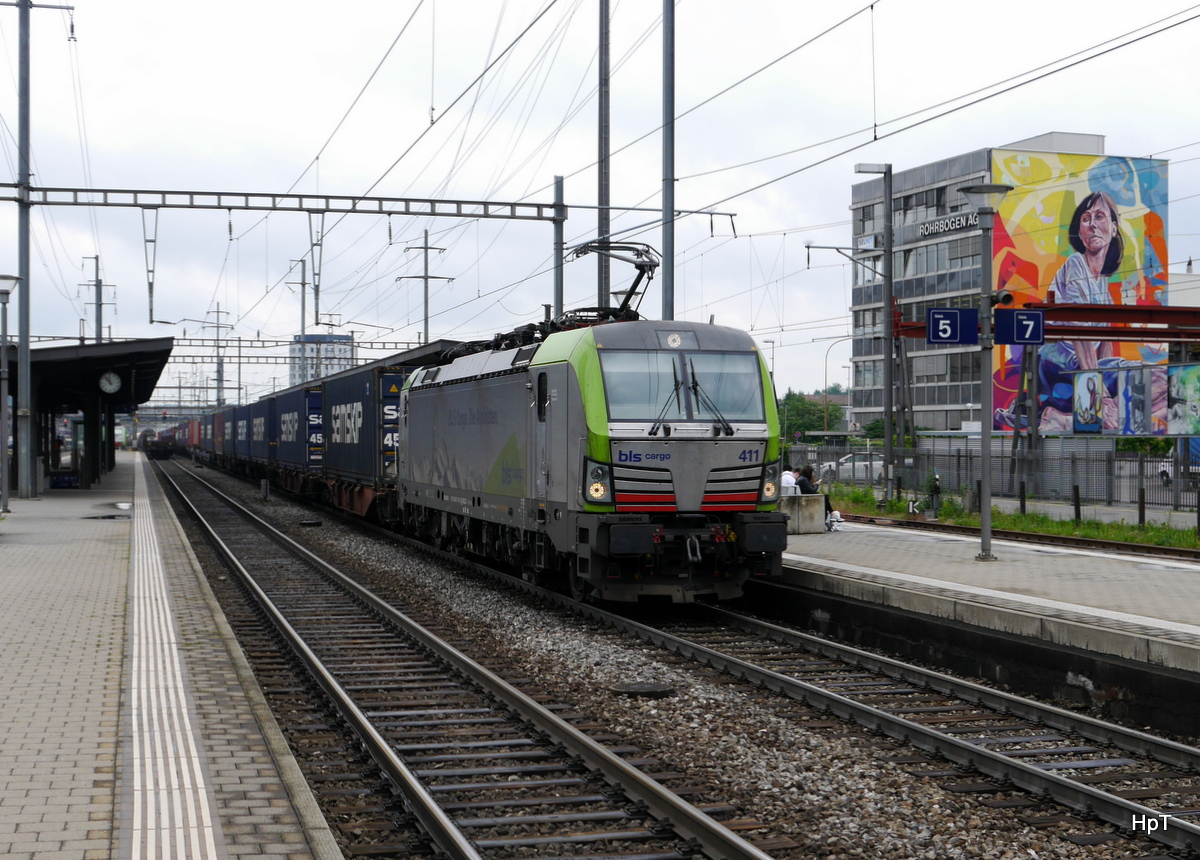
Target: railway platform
<point>1133,609</point>
<point>133,726</point>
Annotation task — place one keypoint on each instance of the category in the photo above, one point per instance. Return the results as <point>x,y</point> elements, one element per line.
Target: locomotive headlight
<point>597,485</point>
<point>770,487</point>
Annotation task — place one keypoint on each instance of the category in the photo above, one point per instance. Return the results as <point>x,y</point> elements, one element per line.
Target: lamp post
<point>7,282</point>
<point>825,391</point>
<point>889,334</point>
<point>985,199</point>
<point>849,368</point>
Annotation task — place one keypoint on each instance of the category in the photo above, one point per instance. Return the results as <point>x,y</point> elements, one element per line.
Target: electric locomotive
<point>631,459</point>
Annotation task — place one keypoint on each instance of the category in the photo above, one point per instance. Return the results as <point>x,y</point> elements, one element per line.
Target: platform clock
<point>110,383</point>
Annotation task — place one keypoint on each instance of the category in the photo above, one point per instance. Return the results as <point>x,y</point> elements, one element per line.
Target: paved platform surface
<point>132,726</point>
<point>1147,610</point>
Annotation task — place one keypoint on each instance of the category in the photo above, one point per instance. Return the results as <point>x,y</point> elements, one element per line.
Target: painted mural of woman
<point>1095,236</point>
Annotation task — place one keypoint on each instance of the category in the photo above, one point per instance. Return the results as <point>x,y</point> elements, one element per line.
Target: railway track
<point>484,768</point>
<point>1144,785</point>
<point>982,741</point>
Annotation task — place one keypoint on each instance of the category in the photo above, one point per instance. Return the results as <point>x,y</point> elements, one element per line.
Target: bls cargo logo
<point>635,457</point>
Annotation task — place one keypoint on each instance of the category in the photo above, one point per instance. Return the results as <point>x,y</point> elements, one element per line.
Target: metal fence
<point>1102,476</point>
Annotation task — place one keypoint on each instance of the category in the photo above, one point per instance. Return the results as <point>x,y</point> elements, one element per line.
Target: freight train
<point>624,459</point>
<point>160,445</point>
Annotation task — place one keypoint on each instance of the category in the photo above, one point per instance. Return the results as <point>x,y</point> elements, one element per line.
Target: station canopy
<point>67,379</point>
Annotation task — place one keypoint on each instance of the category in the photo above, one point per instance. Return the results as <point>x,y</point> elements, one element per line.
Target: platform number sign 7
<point>1020,326</point>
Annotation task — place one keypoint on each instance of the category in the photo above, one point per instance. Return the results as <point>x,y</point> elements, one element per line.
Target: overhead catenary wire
<point>550,4</point>
<point>941,115</point>
<point>81,128</point>
<point>359,274</point>
<point>493,63</point>
<point>546,53</point>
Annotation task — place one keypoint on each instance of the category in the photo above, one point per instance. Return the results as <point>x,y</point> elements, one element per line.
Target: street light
<point>826,389</point>
<point>889,335</point>
<point>849,368</point>
<point>985,199</point>
<point>7,282</point>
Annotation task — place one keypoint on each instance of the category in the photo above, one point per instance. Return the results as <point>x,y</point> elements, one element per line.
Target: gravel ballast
<point>828,789</point>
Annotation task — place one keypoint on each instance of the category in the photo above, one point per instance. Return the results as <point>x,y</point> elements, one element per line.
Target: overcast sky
<point>255,96</point>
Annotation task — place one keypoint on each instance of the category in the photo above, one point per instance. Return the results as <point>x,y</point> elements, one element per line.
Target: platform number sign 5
<point>952,325</point>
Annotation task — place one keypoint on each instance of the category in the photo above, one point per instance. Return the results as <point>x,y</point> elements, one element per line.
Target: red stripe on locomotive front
<point>714,498</point>
<point>662,498</point>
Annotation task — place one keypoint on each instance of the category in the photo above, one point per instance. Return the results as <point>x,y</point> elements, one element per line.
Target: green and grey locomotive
<point>629,460</point>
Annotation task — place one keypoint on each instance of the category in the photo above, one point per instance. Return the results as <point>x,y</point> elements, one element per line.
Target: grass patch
<point>862,501</point>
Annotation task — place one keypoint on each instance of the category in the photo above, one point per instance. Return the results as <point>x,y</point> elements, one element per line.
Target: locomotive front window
<point>733,383</point>
<point>640,385</point>
<point>654,386</point>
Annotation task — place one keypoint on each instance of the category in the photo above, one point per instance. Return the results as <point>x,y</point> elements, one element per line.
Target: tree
<point>1146,445</point>
<point>798,413</point>
<point>874,430</point>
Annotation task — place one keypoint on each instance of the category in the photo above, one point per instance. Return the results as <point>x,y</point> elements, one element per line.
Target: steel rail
<point>420,803</point>
<point>1132,740</point>
<point>684,818</point>
<point>1080,797</point>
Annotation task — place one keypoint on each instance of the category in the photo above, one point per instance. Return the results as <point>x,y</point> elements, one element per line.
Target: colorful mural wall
<point>1092,229</point>
<point>1183,400</point>
<point>1142,403</point>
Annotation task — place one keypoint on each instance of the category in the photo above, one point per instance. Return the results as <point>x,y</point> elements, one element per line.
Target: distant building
<point>316,355</point>
<point>937,263</point>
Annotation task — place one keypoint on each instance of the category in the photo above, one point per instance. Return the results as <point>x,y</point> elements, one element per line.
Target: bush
<point>952,508</point>
<point>863,496</point>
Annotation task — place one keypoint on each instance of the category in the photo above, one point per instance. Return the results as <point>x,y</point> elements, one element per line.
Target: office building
<point>316,355</point>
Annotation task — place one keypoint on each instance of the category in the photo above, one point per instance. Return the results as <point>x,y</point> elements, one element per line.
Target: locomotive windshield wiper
<point>707,402</point>
<point>658,422</point>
